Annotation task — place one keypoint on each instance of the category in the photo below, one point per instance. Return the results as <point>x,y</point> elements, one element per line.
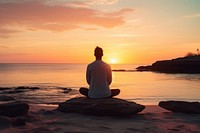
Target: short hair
<point>98,52</point>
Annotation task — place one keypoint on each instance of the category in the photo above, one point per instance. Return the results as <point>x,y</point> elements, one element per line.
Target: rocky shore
<point>87,115</point>
<point>190,65</point>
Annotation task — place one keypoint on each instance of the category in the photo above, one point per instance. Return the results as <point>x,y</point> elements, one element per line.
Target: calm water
<point>141,87</point>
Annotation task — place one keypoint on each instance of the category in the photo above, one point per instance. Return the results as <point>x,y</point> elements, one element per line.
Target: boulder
<point>6,98</point>
<point>14,109</point>
<point>19,121</point>
<point>181,106</point>
<point>100,107</point>
<point>5,122</point>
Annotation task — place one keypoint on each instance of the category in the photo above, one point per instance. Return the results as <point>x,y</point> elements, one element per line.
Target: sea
<point>60,82</point>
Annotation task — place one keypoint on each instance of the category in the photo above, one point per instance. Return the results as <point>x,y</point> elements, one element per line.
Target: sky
<point>67,31</point>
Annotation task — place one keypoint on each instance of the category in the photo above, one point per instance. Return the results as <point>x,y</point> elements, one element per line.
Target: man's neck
<point>99,59</point>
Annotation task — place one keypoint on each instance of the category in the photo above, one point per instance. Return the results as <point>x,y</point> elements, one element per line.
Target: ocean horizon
<point>58,82</point>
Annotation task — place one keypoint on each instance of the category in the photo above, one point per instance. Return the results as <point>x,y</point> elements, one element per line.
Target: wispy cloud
<point>197,15</point>
<point>80,2</point>
<point>5,33</point>
<point>101,2</point>
<point>64,1</point>
<point>36,15</point>
<point>91,28</point>
<point>118,13</point>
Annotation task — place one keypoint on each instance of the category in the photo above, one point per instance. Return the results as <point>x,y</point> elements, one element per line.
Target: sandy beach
<point>153,119</point>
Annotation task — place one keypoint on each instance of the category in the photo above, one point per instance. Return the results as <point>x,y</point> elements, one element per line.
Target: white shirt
<point>99,77</point>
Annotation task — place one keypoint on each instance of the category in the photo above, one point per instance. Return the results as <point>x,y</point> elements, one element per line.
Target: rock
<point>181,106</point>
<point>19,122</point>
<point>5,122</point>
<point>32,117</point>
<point>5,88</point>
<point>26,88</point>
<point>19,89</point>
<point>144,68</point>
<point>14,109</point>
<point>65,90</point>
<point>6,98</point>
<point>13,91</point>
<point>45,112</point>
<point>100,107</point>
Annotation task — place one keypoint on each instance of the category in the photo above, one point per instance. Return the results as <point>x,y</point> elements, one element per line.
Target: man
<point>99,77</point>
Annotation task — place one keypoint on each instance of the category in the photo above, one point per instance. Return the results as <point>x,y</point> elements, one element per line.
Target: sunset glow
<point>67,31</point>
<point>113,61</point>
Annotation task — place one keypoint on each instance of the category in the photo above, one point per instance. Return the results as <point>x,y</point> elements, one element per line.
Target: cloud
<point>81,3</point>
<point>8,31</point>
<point>91,29</point>
<point>197,15</point>
<point>5,33</point>
<point>101,2</point>
<point>67,2</point>
<point>119,13</point>
<point>36,15</point>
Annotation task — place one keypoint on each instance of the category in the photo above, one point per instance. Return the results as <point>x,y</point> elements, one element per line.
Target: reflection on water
<point>141,87</point>
<point>156,86</point>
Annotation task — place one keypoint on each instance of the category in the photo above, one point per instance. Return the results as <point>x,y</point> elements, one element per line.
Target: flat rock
<point>100,107</point>
<point>14,109</point>
<point>181,106</point>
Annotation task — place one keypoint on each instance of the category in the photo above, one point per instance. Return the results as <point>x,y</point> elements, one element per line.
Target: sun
<point>113,61</point>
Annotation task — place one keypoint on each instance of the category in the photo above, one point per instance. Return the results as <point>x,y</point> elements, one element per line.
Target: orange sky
<point>67,31</point>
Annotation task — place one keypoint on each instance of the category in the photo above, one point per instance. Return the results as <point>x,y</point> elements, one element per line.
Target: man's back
<point>99,77</point>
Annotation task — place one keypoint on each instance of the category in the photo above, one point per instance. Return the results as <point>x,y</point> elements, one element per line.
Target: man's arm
<point>109,78</point>
<point>88,77</point>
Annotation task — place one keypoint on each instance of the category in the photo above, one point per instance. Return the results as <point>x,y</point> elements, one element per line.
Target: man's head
<point>98,52</point>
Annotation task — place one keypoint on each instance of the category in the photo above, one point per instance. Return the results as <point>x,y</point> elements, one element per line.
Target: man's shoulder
<point>91,63</point>
<point>106,64</point>
<point>94,63</point>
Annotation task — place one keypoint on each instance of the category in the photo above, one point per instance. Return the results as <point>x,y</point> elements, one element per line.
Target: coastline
<point>186,65</point>
<point>54,80</point>
<point>153,119</point>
